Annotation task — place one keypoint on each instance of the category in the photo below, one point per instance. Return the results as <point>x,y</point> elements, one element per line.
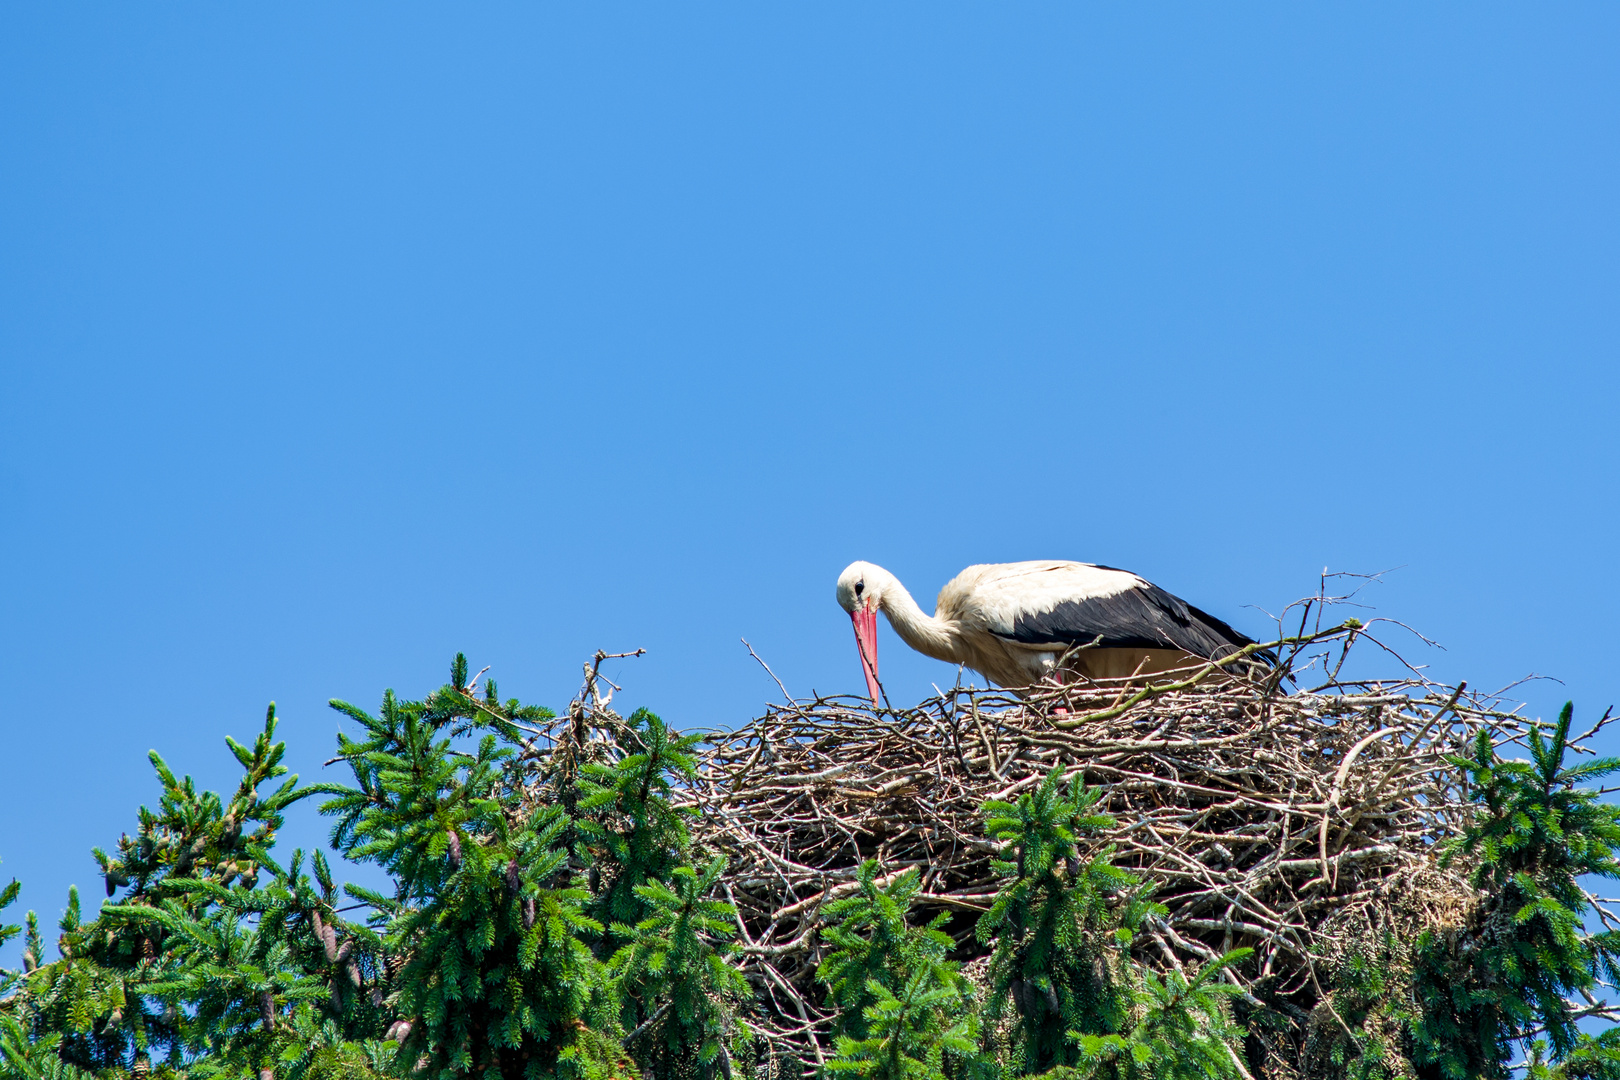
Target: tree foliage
<point>487,910</point>
<point>1058,924</point>
<point>1508,977</point>
<point>1180,1030</point>
<point>678,961</point>
<point>635,832</point>
<point>8,896</point>
<point>546,915</point>
<point>1503,992</point>
<point>111,1003</point>
<point>910,1035</point>
<point>904,1008</point>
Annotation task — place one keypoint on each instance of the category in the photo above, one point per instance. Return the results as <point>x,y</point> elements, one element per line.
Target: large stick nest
<point>1262,812</point>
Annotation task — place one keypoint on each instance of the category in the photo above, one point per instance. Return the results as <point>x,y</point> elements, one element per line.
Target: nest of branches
<point>1265,809</point>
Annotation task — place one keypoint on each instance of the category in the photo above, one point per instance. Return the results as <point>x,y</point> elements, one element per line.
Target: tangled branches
<point>1257,810</point>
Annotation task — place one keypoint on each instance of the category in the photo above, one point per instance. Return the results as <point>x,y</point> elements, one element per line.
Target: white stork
<point>1012,622</point>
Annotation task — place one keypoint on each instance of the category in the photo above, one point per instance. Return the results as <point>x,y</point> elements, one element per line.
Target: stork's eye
<point>860,587</point>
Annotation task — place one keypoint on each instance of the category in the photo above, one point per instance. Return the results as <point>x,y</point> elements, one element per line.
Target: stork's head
<point>860,591</point>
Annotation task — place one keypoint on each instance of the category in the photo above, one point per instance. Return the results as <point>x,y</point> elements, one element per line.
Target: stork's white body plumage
<point>1013,622</point>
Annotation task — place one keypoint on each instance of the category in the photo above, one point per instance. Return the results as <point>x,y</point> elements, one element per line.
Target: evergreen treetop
<point>108,1001</point>
<point>1508,977</point>
<point>1180,1030</point>
<point>1051,921</point>
<point>8,896</point>
<point>544,919</point>
<point>871,940</point>
<point>905,1039</point>
<point>626,816</point>
<point>678,963</point>
<point>487,910</point>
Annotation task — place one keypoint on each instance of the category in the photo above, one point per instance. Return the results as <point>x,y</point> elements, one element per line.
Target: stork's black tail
<point>1228,640</point>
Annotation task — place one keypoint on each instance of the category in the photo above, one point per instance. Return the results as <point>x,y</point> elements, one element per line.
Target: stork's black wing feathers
<point>1145,617</point>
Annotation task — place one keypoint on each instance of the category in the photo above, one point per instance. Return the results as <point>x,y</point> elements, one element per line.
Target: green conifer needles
<point>872,941</point>
<point>488,912</point>
<point>1182,1031</point>
<point>627,819</point>
<point>8,896</point>
<point>1508,976</point>
<point>553,912</point>
<point>906,1037</point>
<point>904,1009</point>
<point>677,965</point>
<point>112,1003</point>
<point>1062,928</point>
<point>1051,920</point>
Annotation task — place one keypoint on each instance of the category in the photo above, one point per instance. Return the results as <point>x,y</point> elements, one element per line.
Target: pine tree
<point>8,896</point>
<point>677,988</point>
<point>266,983</point>
<point>1179,1030</point>
<point>498,972</point>
<point>679,960</point>
<point>26,1056</point>
<point>875,957</point>
<point>1591,1058</point>
<point>106,1005</point>
<point>635,832</point>
<point>1487,992</point>
<point>905,1038</point>
<point>96,1014</point>
<point>1057,924</point>
<point>518,870</point>
<point>1369,1011</point>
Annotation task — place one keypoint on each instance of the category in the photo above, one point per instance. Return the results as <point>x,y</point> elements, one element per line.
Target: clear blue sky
<point>334,340</point>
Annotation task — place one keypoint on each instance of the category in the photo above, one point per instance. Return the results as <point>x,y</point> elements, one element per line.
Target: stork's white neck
<point>926,633</point>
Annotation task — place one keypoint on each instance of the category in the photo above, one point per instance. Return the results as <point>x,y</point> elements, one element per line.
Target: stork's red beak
<point>865,620</point>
